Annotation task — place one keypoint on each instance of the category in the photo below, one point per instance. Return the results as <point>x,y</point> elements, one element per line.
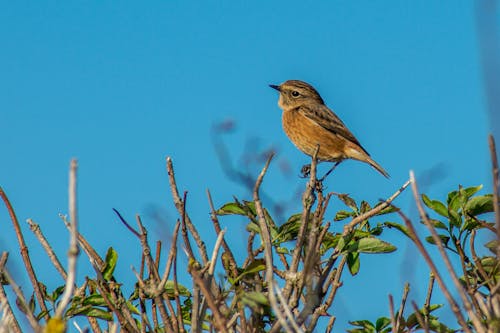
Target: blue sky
<point>120,86</point>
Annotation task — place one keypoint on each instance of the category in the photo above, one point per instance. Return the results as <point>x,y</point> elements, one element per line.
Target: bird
<point>308,122</point>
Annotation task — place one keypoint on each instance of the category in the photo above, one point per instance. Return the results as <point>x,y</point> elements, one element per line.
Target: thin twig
<point>307,202</point>
<point>427,304</point>
<point>180,205</point>
<point>391,313</point>
<point>496,187</point>
<point>21,299</point>
<point>286,309</point>
<point>215,222</point>
<point>4,302</point>
<point>467,304</point>
<point>453,304</point>
<point>179,321</point>
<point>358,219</point>
<point>331,321</point>
<point>218,243</point>
<point>114,302</point>
<point>420,320</point>
<point>91,253</point>
<point>171,255</point>
<point>153,273</point>
<point>126,224</point>
<point>477,261</point>
<point>35,228</point>
<point>268,254</point>
<point>73,243</point>
<point>219,320</point>
<point>399,319</point>
<point>25,255</point>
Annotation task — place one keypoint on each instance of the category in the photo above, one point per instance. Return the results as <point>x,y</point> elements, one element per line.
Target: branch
<point>468,307</point>
<point>9,319</point>
<point>496,187</point>
<point>73,243</point>
<point>25,255</point>
<point>180,205</point>
<point>268,254</point>
<point>357,220</point>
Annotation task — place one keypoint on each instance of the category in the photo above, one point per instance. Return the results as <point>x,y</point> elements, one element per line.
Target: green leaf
<point>400,227</point>
<point>170,289</point>
<point>387,210</point>
<point>412,319</point>
<point>282,250</point>
<point>96,313</point>
<point>231,208</point>
<point>250,205</point>
<point>490,265</point>
<point>94,300</point>
<point>289,230</point>
<point>132,308</point>
<point>258,265</point>
<point>348,201</point>
<point>492,246</point>
<point>366,324</point>
<point>470,191</point>
<point>253,227</point>
<point>370,245</point>
<point>455,218</point>
<point>109,267</point>
<point>435,205</point>
<point>353,262</point>
<point>254,300</point>
<point>57,293</point>
<point>364,207</point>
<point>438,224</point>
<point>479,205</point>
<point>342,215</point>
<point>456,199</point>
<point>444,240</point>
<point>382,323</point>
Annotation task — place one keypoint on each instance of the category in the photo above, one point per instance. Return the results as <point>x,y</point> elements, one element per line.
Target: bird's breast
<point>306,134</point>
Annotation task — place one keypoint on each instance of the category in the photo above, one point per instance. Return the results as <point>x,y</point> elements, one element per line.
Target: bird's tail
<point>361,155</point>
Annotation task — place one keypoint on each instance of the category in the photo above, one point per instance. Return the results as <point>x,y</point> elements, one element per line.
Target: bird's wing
<point>324,117</point>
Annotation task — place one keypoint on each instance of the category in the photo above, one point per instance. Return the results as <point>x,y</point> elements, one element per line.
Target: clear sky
<point>122,85</point>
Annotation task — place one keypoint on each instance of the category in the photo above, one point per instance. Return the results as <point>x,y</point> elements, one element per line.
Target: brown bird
<point>308,122</point>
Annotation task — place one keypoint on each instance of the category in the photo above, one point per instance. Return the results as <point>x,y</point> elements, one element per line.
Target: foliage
<point>288,277</point>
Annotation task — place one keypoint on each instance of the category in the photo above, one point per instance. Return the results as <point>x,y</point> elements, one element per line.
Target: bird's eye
<point>295,93</point>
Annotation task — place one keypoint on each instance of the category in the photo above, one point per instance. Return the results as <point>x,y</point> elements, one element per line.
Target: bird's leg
<point>329,171</point>
<point>305,171</point>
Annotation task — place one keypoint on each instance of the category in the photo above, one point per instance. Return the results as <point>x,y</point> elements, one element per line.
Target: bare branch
<point>358,219</point>
<point>4,302</point>
<point>467,304</point>
<point>432,266</point>
<point>391,312</point>
<point>25,255</point>
<point>180,205</point>
<point>496,187</point>
<point>73,243</point>
<point>31,318</point>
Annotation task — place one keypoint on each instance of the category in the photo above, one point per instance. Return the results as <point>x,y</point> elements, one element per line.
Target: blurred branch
<point>73,245</point>
<point>496,187</point>
<point>8,319</point>
<point>467,304</point>
<point>454,306</point>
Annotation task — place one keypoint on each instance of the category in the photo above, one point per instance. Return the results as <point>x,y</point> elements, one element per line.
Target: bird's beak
<point>275,87</point>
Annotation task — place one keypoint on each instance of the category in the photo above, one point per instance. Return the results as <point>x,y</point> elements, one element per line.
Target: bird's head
<point>294,93</point>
